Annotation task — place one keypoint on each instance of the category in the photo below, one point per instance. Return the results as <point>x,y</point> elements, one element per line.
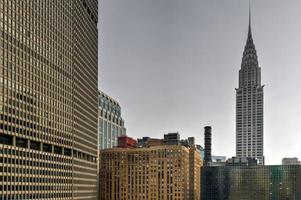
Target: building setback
<point>249,105</point>
<point>110,122</point>
<point>155,172</point>
<point>48,99</point>
<point>277,182</point>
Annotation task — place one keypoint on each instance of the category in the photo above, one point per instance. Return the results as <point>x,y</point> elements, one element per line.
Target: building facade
<point>155,172</point>
<point>291,161</point>
<point>251,182</point>
<point>48,99</point>
<point>249,105</point>
<point>127,142</point>
<point>241,161</point>
<point>218,161</point>
<point>110,122</point>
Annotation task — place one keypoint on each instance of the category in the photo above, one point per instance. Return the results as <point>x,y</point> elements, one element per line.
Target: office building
<point>219,158</point>
<point>277,182</point>
<point>291,161</point>
<point>110,122</point>
<point>241,161</point>
<point>48,99</point>
<point>164,172</point>
<point>147,142</point>
<point>142,142</point>
<point>249,105</point>
<point>171,139</point>
<point>218,161</point>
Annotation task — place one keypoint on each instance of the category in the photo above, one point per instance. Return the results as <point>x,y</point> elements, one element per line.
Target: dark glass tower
<point>249,104</point>
<point>251,182</point>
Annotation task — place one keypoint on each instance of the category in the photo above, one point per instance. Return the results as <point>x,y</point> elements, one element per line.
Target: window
<point>58,150</point>
<point>35,145</point>
<point>6,139</point>
<point>47,148</point>
<point>67,152</point>
<point>21,142</point>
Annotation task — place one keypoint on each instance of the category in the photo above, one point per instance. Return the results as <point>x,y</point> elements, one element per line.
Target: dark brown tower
<point>208,136</point>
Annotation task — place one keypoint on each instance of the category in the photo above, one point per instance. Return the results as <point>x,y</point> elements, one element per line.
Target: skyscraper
<point>110,122</point>
<point>48,99</point>
<point>249,104</point>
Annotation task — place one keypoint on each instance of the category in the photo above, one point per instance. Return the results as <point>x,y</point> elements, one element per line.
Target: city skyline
<point>80,82</point>
<point>181,61</point>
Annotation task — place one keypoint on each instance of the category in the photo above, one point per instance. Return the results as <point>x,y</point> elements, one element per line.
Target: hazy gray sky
<point>173,66</point>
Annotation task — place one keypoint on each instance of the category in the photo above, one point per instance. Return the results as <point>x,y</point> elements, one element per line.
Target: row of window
<point>114,118</point>
<point>25,48</point>
<point>57,181</point>
<point>37,195</point>
<point>48,148</point>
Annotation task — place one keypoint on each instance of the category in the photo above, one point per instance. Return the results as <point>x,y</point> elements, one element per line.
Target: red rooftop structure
<point>126,142</point>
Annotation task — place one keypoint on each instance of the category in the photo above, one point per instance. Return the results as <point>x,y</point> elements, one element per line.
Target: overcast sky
<point>173,66</point>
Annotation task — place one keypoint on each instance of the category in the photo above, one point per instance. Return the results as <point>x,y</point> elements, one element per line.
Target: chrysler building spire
<point>250,38</point>
<point>249,104</point>
<point>250,18</point>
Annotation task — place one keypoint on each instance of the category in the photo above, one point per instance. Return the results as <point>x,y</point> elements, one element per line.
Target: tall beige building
<point>48,99</point>
<point>162,172</point>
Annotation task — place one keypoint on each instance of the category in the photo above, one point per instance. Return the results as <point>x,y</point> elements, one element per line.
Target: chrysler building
<point>249,105</point>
